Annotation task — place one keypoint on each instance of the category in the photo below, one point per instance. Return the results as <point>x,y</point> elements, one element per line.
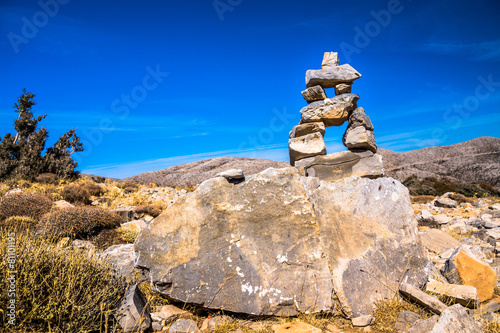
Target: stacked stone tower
<point>307,146</point>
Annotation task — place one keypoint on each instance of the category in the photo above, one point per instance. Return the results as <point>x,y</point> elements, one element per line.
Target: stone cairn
<point>307,145</point>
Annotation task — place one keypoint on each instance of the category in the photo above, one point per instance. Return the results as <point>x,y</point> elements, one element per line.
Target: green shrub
<point>148,209</point>
<point>76,194</point>
<point>47,178</point>
<point>59,290</point>
<point>31,205</point>
<point>78,222</point>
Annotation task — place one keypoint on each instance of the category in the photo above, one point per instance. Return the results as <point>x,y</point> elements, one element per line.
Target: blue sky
<point>153,84</point>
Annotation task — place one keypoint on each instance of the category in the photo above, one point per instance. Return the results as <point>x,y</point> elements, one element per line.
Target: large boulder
<point>280,244</point>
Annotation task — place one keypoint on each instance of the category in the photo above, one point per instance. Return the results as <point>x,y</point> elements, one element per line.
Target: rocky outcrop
<point>280,243</point>
<point>359,138</point>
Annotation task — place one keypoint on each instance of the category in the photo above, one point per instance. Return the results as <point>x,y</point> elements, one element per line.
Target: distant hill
<point>476,161</point>
<point>195,173</point>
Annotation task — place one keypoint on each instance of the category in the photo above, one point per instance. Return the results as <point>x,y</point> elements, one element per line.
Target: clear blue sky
<point>153,84</point>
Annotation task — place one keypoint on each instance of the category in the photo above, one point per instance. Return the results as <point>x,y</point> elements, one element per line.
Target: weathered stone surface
<point>121,256</point>
<point>359,118</point>
<point>362,321</point>
<point>438,241</point>
<point>331,76</point>
<point>417,295</point>
<point>491,306</point>
<point>296,327</point>
<point>232,175</point>
<point>331,111</point>
<point>278,243</point>
<point>168,313</point>
<point>135,225</point>
<point>455,293</point>
<point>405,320</point>
<point>360,138</point>
<point>455,319</point>
<point>308,128</point>
<point>344,164</point>
<point>463,267</point>
<point>330,59</point>
<point>306,146</point>
<point>183,326</point>
<point>312,94</point>
<point>424,326</point>
<point>343,88</point>
<point>445,202</point>
<point>211,323</point>
<point>133,313</point>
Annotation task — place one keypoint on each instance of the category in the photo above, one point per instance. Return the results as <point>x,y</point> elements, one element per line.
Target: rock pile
<point>307,145</point>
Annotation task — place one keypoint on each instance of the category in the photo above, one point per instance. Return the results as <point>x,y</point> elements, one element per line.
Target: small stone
<point>491,306</point>
<point>313,94</point>
<point>362,321</point>
<point>62,204</point>
<point>441,219</point>
<point>405,320</point>
<point>360,138</point>
<point>343,88</point>
<point>455,319</point>
<point>168,313</point>
<point>14,191</point>
<point>306,146</point>
<point>157,327</point>
<point>136,225</point>
<point>358,118</point>
<point>330,59</point>
<point>183,326</point>
<point>417,295</point>
<point>445,203</point>
<point>308,128</point>
<point>232,174</point>
<point>133,313</point>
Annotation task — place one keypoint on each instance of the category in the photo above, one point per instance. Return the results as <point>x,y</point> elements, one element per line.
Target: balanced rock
<point>332,112</point>
<point>330,59</point>
<point>358,118</point>
<point>343,88</point>
<point>360,138</point>
<point>313,94</point>
<point>305,146</point>
<point>343,164</point>
<point>463,267</point>
<point>281,244</point>
<point>308,128</point>
<point>331,76</point>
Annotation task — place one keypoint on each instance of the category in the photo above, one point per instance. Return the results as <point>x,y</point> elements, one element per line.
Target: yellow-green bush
<point>32,205</point>
<point>58,290</point>
<point>78,222</point>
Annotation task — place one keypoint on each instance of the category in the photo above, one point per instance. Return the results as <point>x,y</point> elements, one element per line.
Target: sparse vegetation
<point>76,194</point>
<point>439,186</point>
<point>59,290</point>
<point>388,310</point>
<point>78,222</point>
<point>30,205</point>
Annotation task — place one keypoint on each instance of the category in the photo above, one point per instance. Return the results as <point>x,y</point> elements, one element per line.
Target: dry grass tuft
<point>490,327</point>
<point>388,310</point>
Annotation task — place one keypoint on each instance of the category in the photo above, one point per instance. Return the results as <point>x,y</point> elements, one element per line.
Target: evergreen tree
<point>21,154</point>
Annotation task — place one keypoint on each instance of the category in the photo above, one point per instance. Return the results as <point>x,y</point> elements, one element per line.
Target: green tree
<point>21,154</point>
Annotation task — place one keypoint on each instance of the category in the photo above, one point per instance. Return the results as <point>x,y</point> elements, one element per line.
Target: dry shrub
<point>124,185</point>
<point>130,189</point>
<point>94,189</point>
<point>422,199</point>
<point>59,290</point>
<point>47,178</point>
<point>154,211</point>
<point>107,238</point>
<point>78,222</point>
<point>460,198</point>
<point>388,310</point>
<point>31,205</point>
<point>76,194</point>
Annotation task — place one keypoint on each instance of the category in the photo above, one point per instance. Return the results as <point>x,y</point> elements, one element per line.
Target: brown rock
<point>304,129</point>
<point>462,267</point>
<point>332,112</point>
<point>306,146</point>
<point>343,88</point>
<point>313,94</point>
<point>330,59</point>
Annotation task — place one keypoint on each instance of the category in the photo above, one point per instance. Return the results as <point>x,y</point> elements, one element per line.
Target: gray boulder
<point>331,76</point>
<point>183,326</point>
<point>121,257</point>
<point>280,244</point>
<point>133,313</point>
<point>331,111</point>
<point>455,319</point>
